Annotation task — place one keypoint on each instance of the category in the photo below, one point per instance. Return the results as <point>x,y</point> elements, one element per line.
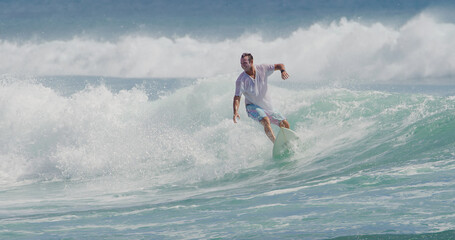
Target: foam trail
<point>97,132</point>
<point>347,51</point>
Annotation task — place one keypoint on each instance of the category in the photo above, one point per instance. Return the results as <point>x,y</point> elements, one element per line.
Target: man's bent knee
<point>265,121</point>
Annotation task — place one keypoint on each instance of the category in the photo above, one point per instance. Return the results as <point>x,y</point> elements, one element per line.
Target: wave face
<point>172,155</point>
<point>343,52</point>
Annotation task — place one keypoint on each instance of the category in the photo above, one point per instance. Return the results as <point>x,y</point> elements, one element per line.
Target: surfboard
<point>285,143</point>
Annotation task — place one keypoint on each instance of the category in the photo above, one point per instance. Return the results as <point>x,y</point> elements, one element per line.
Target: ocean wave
<point>188,135</point>
<point>346,51</point>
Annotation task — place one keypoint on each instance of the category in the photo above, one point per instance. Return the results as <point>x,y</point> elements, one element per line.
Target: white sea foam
<point>187,136</point>
<point>97,132</point>
<point>420,51</point>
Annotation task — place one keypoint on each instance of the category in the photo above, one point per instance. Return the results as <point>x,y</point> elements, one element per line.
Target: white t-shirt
<point>256,90</point>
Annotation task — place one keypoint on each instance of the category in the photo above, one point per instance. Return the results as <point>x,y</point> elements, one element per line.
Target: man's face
<point>245,63</point>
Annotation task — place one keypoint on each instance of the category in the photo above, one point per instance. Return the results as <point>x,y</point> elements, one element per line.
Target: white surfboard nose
<point>283,146</point>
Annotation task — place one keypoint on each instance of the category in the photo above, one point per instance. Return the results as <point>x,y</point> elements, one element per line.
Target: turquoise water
<point>106,163</point>
<point>116,120</point>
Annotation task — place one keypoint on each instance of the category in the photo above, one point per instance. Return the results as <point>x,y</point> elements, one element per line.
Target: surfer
<point>253,84</point>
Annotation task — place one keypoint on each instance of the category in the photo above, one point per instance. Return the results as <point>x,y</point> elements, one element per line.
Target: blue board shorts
<point>257,113</point>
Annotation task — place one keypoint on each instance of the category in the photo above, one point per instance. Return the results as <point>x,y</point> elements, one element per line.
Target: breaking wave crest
<point>347,51</point>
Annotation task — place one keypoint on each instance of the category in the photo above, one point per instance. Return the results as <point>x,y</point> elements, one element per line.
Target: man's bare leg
<point>268,129</point>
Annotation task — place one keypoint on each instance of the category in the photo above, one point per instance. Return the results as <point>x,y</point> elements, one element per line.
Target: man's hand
<point>236,115</point>
<point>284,75</point>
<point>235,106</point>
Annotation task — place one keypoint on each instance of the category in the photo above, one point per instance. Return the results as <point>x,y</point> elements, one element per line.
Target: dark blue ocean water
<point>107,19</point>
<point>116,120</point>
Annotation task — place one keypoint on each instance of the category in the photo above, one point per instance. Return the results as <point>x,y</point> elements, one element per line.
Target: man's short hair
<point>250,57</point>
